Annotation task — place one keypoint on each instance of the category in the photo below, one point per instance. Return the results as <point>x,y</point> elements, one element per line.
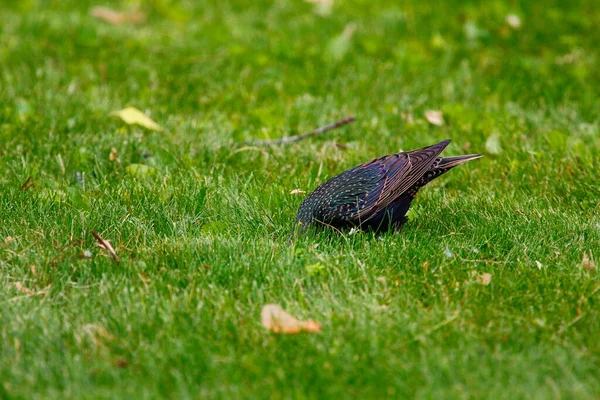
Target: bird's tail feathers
<point>451,162</point>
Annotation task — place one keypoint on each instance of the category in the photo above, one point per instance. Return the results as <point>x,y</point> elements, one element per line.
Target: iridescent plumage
<point>376,195</point>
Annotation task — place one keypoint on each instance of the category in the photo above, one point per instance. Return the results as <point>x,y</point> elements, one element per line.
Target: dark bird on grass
<point>376,195</point>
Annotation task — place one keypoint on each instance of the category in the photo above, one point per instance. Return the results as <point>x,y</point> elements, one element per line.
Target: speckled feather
<point>377,194</point>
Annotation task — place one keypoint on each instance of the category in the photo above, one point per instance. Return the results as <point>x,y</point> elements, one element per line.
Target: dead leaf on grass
<point>133,116</point>
<point>587,262</point>
<point>105,244</point>
<point>277,320</point>
<point>113,155</point>
<point>434,117</point>
<point>115,17</point>
<point>297,191</point>
<point>19,286</point>
<point>484,279</point>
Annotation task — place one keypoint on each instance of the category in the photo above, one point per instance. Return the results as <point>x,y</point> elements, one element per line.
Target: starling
<point>376,195</point>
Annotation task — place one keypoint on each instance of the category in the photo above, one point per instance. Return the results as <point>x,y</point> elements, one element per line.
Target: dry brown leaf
<point>297,191</point>
<point>277,320</point>
<point>115,17</point>
<point>435,117</point>
<point>484,279</point>
<point>105,244</point>
<point>19,286</point>
<point>113,155</point>
<point>587,262</point>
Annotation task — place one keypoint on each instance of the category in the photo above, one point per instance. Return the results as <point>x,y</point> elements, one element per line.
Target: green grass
<point>203,235</point>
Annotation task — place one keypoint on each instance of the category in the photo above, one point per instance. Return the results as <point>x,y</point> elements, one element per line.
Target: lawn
<point>492,290</point>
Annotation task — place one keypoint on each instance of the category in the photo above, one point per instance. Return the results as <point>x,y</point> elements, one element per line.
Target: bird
<point>375,196</point>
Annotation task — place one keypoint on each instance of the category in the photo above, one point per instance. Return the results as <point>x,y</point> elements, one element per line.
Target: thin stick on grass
<point>27,184</point>
<point>292,139</point>
<point>105,244</point>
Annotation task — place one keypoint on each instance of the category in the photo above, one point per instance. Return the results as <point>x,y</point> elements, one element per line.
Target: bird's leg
<point>398,226</point>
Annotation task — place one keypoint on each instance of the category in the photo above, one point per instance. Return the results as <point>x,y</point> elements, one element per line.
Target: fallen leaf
<point>513,21</point>
<point>492,144</point>
<point>588,262</point>
<point>538,264</point>
<point>118,17</point>
<point>297,191</point>
<point>19,286</point>
<point>484,279</point>
<point>434,117</point>
<point>106,245</point>
<point>113,155</point>
<point>133,116</point>
<point>275,319</point>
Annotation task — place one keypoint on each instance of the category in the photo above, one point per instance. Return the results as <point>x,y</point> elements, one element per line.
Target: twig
<point>291,139</point>
<point>106,245</point>
<point>26,185</point>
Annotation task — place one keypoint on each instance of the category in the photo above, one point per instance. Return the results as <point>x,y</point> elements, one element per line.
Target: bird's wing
<point>345,194</point>
<point>397,172</point>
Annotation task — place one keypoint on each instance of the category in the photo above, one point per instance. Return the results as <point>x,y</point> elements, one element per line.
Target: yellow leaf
<point>275,319</point>
<point>133,116</point>
<point>297,191</point>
